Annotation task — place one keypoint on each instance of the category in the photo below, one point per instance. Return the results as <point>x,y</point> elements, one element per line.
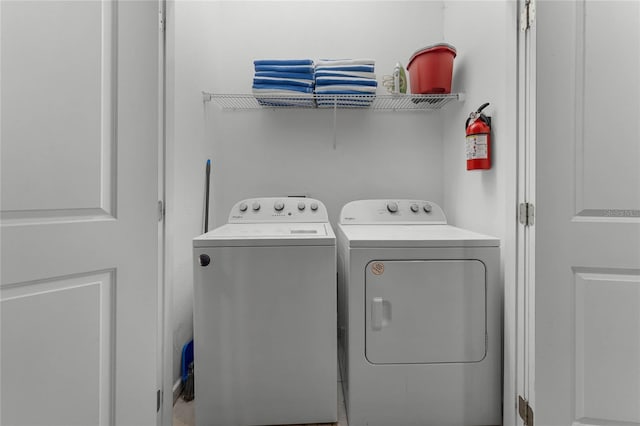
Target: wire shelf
<point>317,101</point>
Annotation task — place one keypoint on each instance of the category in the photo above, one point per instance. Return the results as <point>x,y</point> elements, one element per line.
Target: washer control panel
<point>365,212</point>
<point>278,209</point>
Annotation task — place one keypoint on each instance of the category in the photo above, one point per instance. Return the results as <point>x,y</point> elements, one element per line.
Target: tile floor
<point>183,412</point>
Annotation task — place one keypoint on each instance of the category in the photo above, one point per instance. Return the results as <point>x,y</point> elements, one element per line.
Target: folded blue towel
<point>278,102</point>
<point>323,62</point>
<point>284,98</point>
<point>326,81</point>
<point>279,74</point>
<point>358,68</point>
<point>283,62</point>
<point>309,69</point>
<point>282,87</point>
<point>345,101</point>
<point>357,74</point>
<point>344,104</point>
<point>345,89</point>
<point>281,81</point>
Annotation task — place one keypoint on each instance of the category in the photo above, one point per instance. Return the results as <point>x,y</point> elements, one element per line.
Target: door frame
<point>165,298</point>
<point>525,257</point>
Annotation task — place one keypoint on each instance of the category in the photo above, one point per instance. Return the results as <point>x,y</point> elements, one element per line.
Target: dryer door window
<point>425,311</point>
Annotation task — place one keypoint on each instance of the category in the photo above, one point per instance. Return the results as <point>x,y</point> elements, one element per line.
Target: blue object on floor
<point>187,358</point>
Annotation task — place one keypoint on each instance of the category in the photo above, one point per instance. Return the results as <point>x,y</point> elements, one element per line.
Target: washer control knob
<point>314,206</point>
<point>392,207</point>
<point>243,207</point>
<point>414,208</point>
<point>427,208</point>
<point>278,206</point>
<point>255,206</point>
<point>301,206</point>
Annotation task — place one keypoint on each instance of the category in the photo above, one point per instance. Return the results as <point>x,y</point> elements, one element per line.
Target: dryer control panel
<point>414,212</point>
<point>278,209</point>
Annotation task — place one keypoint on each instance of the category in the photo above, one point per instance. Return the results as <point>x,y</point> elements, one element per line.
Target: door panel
<point>607,345</point>
<point>70,321</point>
<point>57,72</point>
<point>607,98</point>
<point>426,311</point>
<point>587,225</point>
<point>79,278</point>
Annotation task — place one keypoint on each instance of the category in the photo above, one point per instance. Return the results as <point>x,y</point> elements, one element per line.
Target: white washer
<point>265,345</point>
<point>419,320</point>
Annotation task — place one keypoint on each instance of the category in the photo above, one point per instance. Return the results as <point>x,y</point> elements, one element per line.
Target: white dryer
<point>265,345</point>
<point>419,317</point>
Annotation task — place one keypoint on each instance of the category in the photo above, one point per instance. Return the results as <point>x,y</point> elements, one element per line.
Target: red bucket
<point>430,69</point>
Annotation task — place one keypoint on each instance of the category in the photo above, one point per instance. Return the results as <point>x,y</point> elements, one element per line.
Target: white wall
<point>485,35</point>
<point>284,152</point>
<point>476,199</point>
<point>291,152</point>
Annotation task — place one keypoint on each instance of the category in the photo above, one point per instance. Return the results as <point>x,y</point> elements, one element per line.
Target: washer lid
<point>402,236</point>
<point>268,234</point>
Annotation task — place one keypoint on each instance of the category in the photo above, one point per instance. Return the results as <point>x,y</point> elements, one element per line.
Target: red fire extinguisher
<point>478,128</point>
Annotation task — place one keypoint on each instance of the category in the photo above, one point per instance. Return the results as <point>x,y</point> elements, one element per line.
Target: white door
<point>79,212</point>
<point>585,334</point>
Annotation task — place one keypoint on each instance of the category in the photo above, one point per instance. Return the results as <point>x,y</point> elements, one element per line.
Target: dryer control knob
<point>414,208</point>
<point>255,206</point>
<point>427,208</point>
<point>243,207</point>
<point>278,205</point>
<point>301,206</point>
<point>392,207</point>
<point>314,206</point>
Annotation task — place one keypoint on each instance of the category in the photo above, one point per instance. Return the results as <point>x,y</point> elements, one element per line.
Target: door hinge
<point>161,21</point>
<point>160,210</point>
<point>526,214</point>
<point>525,411</point>
<point>159,400</point>
<point>528,15</point>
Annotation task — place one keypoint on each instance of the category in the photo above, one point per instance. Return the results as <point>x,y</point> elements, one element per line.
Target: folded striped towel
<point>345,104</point>
<point>281,98</point>
<point>326,81</point>
<point>308,69</point>
<point>343,101</point>
<point>357,68</point>
<point>280,74</point>
<point>281,81</point>
<point>268,88</point>
<point>333,62</point>
<point>285,102</point>
<point>283,62</point>
<point>332,73</point>
<point>346,89</point>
